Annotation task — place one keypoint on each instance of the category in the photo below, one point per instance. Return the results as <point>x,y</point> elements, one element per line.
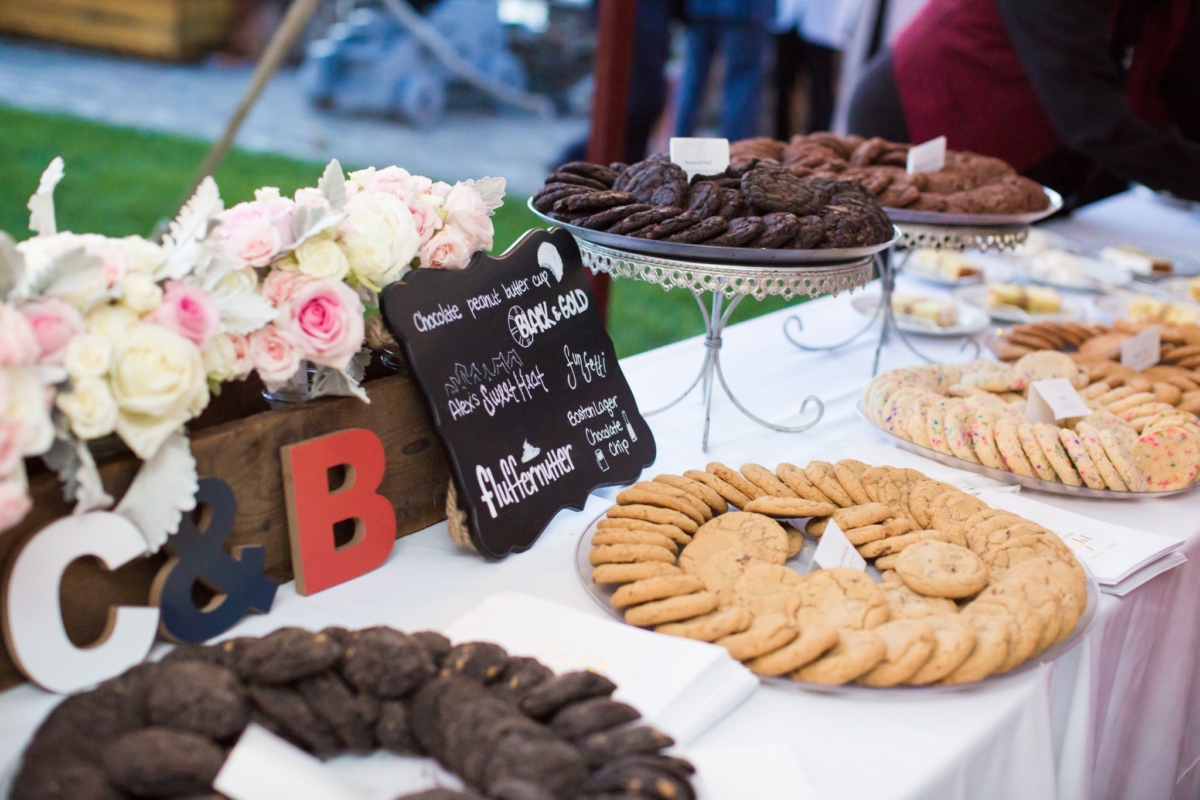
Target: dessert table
<point>1117,717</point>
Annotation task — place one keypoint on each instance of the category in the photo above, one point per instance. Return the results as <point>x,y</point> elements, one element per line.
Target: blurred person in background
<point>810,34</point>
<point>1084,96</point>
<point>740,31</point>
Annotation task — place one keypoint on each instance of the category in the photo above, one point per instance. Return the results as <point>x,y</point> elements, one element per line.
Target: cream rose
<point>384,238</point>
<point>320,257</point>
<point>114,323</point>
<point>88,356</point>
<point>221,359</point>
<point>28,407</point>
<point>142,294</point>
<point>90,408</point>
<point>159,382</point>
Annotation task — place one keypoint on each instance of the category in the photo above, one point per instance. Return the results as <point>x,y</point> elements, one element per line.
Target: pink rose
<point>397,182</point>
<point>310,197</point>
<point>255,232</point>
<point>18,342</point>
<point>427,219</point>
<point>470,215</point>
<point>12,446</point>
<point>447,250</point>
<point>440,189</point>
<point>243,361</point>
<point>14,502</point>
<point>54,323</point>
<point>280,285</point>
<point>275,356</point>
<point>189,311</point>
<point>325,318</point>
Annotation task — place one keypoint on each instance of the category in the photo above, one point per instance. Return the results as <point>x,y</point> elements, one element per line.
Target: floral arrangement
<point>124,336</point>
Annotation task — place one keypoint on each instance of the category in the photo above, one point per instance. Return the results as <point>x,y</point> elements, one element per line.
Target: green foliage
<point>121,182</point>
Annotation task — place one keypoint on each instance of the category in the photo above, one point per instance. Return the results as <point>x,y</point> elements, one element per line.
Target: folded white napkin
<point>679,685</point>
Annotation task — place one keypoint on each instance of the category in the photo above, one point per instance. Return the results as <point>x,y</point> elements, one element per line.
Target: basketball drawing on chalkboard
<point>523,383</point>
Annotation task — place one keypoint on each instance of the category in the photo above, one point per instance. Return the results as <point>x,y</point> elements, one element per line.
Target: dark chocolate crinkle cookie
<point>63,779</point>
<point>741,231</point>
<point>779,228</point>
<point>646,177</point>
<point>593,201</point>
<point>213,654</point>
<point>481,661</point>
<point>579,180</point>
<point>333,702</point>
<point>607,745</point>
<point>604,220</point>
<point>661,230</point>
<point>591,716</point>
<point>423,714</point>
<point>561,690</point>
<point>812,233</point>
<point>491,733</point>
<point>706,199</point>
<point>734,204</point>
<point>392,729</point>
<point>642,219</point>
<point>554,765</point>
<point>386,663</point>
<point>772,189</point>
<point>520,676</point>
<point>671,193</point>
<point>550,194</point>
<point>700,232</point>
<point>293,719</point>
<point>596,172</point>
<point>516,789</point>
<point>160,762</point>
<point>638,778</point>
<point>197,696</point>
<point>286,655</point>
<point>847,227</point>
<point>434,643</point>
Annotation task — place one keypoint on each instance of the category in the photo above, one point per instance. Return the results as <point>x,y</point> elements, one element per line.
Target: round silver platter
<point>603,594</point>
<point>1004,476</point>
<point>734,256</point>
<point>944,219</point>
<point>957,232</point>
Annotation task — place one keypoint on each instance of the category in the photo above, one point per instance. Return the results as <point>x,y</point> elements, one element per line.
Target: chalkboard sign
<point>524,385</point>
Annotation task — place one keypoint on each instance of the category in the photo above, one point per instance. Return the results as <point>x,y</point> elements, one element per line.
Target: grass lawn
<point>120,182</point>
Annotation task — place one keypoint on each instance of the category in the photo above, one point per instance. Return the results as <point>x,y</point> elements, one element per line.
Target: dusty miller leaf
<point>333,185</point>
<point>185,234</point>
<point>491,190</point>
<point>41,204</point>
<point>69,273</point>
<point>330,382</point>
<point>12,265</point>
<point>165,488</point>
<point>308,221</point>
<point>72,460</point>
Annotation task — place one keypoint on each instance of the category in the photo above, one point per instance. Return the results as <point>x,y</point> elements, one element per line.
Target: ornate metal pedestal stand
<point>912,236</point>
<point>729,285</point>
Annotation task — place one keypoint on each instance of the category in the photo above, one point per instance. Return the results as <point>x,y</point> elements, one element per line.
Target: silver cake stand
<point>729,284</point>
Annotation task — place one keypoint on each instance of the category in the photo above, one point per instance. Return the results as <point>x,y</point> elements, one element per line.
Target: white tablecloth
<point>1118,717</point>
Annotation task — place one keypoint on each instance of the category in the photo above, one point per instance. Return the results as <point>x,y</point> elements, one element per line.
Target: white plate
<point>994,269</point>
<point>1072,309</point>
<point>970,319</point>
<point>801,564</point>
<point>1178,289</point>
<point>1116,306</point>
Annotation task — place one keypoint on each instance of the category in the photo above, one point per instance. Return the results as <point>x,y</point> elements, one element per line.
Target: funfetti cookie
<point>1033,451</point>
<point>958,431</point>
<point>983,437</point>
<point>935,426</point>
<point>1089,437</point>
<point>1123,460</point>
<point>1079,457</point>
<point>1167,458</point>
<point>1011,451</point>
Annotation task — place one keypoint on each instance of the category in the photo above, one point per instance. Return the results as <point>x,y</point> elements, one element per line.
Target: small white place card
<point>927,157</point>
<point>1052,400</point>
<point>1144,350</point>
<point>835,550</point>
<point>263,766</point>
<point>700,156</point>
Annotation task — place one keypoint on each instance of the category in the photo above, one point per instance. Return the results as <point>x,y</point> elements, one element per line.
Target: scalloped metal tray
<point>903,215</point>
<point>1004,476</point>
<point>741,256</point>
<point>602,594</point>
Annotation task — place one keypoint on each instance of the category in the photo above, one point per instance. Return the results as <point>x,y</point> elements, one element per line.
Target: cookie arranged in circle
<point>767,633</point>
<point>789,508</point>
<point>701,232</point>
<point>629,553</point>
<point>627,573</point>
<point>672,532</point>
<point>1046,436</point>
<point>715,502</point>
<point>842,598</point>
<point>940,569</point>
<point>908,645</point>
<point>660,588</point>
<point>656,514</point>
<point>823,476</point>
<point>710,627</point>
<point>810,645</point>
<point>992,634</point>
<point>1080,457</point>
<point>735,479</point>
<point>856,653</point>
<point>797,480</point>
<point>1123,461</point>
<point>1033,451</point>
<point>767,481</point>
<point>638,496</point>
<point>619,536</point>
<point>672,609</point>
<point>728,492</point>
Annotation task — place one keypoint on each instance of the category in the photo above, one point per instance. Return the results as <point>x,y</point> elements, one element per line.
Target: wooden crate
<point>245,454</point>
<point>167,29</point>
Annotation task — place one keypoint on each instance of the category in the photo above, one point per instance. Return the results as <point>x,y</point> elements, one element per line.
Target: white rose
<point>384,238</point>
<point>90,408</point>
<point>159,383</point>
<point>28,406</point>
<point>320,257</point>
<point>220,359</point>
<point>236,281</point>
<point>142,294</point>
<point>88,356</point>
<point>142,257</point>
<point>114,323</point>
<point>266,194</point>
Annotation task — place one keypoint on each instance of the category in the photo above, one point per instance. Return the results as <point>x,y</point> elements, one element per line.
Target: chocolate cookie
<point>554,765</point>
<point>293,719</point>
<point>520,676</point>
<point>480,661</point>
<point>607,745</point>
<point>779,228</point>
<point>334,703</point>
<point>593,201</point>
<point>671,225</point>
<point>635,776</point>
<point>591,716</point>
<point>386,663</point>
<point>517,789</point>
<point>779,190</point>
<point>550,194</point>
<point>596,172</point>
<point>700,232</point>
<point>741,231</point>
<point>160,762</point>
<point>705,198</point>
<point>570,687</point>
<point>734,204</point>
<point>286,655</point>
<point>642,219</point>
<point>63,779</point>
<point>812,231</point>
<point>392,729</point>
<point>603,220</point>
<point>434,643</point>
<point>579,180</point>
<point>646,177</point>
<point>197,696</point>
